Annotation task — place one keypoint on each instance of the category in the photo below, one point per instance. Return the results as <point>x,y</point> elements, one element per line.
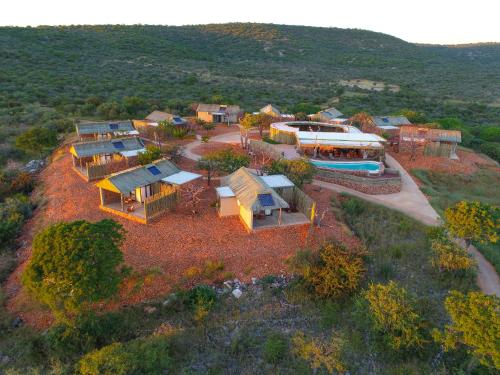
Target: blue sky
<point>422,21</point>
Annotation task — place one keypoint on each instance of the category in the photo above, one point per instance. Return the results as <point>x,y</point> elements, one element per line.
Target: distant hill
<point>249,63</point>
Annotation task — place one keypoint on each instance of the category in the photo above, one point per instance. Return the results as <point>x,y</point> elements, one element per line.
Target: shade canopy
<point>181,178</point>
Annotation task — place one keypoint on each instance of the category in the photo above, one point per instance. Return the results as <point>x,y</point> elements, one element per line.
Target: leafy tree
<point>134,105</point>
<point>475,324</point>
<point>223,161</point>
<point>308,108</point>
<point>260,121</point>
<point>333,271</point>
<point>414,117</point>
<point>448,256</point>
<point>13,212</point>
<point>74,265</point>
<point>207,126</point>
<point>151,154</point>
<point>37,140</point>
<point>393,313</point>
<point>319,353</point>
<point>473,221</point>
<point>299,171</point>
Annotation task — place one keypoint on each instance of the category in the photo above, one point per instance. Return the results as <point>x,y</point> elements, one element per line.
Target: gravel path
<point>487,278</point>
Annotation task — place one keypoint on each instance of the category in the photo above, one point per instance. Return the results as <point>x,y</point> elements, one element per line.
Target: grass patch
<point>445,190</point>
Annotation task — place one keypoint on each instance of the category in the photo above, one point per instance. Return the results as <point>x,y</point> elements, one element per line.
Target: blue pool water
<point>370,166</point>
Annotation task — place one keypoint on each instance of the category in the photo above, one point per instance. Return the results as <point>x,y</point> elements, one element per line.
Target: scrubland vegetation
<point>403,302</point>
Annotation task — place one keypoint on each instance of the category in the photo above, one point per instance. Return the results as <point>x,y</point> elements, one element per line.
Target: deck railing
<point>299,200</point>
<point>266,148</point>
<point>97,171</point>
<point>159,203</point>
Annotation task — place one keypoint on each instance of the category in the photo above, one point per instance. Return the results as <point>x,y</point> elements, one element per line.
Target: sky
<point>419,21</point>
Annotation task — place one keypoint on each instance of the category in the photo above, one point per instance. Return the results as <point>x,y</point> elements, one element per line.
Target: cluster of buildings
<point>108,152</point>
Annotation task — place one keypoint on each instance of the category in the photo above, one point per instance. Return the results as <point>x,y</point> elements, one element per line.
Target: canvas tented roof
<point>111,146</point>
<point>230,109</point>
<point>126,181</point>
<point>344,140</point>
<point>252,191</point>
<point>390,120</point>
<point>124,127</point>
<point>158,116</point>
<point>181,178</point>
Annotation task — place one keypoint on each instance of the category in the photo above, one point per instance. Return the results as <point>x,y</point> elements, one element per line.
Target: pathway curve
<point>410,200</point>
<point>487,277</point>
<point>232,137</point>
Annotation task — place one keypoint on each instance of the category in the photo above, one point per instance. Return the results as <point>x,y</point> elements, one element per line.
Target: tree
<point>333,271</point>
<point>74,265</point>
<point>414,117</point>
<point>473,221</point>
<point>260,121</point>
<point>299,171</point>
<point>450,257</point>
<point>223,161</point>
<point>151,154</point>
<point>393,313</point>
<point>37,140</point>
<point>247,123</point>
<point>475,324</point>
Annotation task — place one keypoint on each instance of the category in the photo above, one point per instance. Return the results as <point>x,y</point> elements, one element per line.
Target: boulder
<point>237,293</point>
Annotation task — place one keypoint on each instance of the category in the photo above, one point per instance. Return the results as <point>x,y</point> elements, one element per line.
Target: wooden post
<point>101,196</point>
<point>279,218</point>
<point>121,201</point>
<point>73,160</point>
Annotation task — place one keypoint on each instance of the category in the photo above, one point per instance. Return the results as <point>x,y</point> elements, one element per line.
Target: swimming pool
<point>369,166</point>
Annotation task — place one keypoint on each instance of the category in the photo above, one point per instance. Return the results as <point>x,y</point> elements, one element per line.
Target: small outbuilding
<point>263,201</point>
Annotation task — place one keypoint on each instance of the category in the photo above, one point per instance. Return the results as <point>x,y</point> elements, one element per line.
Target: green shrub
<point>352,207</point>
<point>319,353</point>
<point>200,300</point>
<point>333,271</point>
<point>13,212</point>
<point>149,355</point>
<point>393,314</point>
<point>37,140</point>
<point>275,348</point>
<point>449,256</point>
<point>151,154</point>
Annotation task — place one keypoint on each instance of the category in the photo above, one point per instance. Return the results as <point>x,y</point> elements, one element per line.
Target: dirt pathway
<point>487,277</point>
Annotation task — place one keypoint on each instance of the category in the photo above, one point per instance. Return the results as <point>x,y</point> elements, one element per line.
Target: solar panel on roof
<point>113,126</point>
<point>384,119</point>
<point>154,170</point>
<point>266,200</point>
<point>119,145</point>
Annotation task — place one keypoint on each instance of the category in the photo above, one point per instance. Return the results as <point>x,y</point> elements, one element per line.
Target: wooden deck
<point>137,215</point>
<point>287,219</point>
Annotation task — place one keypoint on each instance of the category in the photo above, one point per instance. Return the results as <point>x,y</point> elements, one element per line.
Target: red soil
<point>468,164</point>
<point>206,148</point>
<point>165,248</point>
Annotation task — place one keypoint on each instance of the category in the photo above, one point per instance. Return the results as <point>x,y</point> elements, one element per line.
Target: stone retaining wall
<point>389,183</point>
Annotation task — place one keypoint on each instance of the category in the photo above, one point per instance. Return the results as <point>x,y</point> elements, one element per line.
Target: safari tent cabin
<point>218,113</point>
<point>273,111</point>
<point>263,201</point>
<point>105,130</point>
<point>327,115</point>
<point>96,159</point>
<point>156,117</point>
<point>144,192</point>
<point>431,142</point>
<point>385,124</point>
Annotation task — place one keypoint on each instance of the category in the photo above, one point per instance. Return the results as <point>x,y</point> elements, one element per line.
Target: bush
<point>491,149</point>
<point>352,207</point>
<point>200,300</point>
<point>13,212</point>
<point>449,256</point>
<point>151,154</point>
<point>393,314</point>
<point>275,348</point>
<point>74,265</point>
<point>299,171</point>
<point>319,353</point>
<point>150,355</point>
<point>88,332</point>
<point>333,271</point>
<point>37,140</point>
<point>475,324</point>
